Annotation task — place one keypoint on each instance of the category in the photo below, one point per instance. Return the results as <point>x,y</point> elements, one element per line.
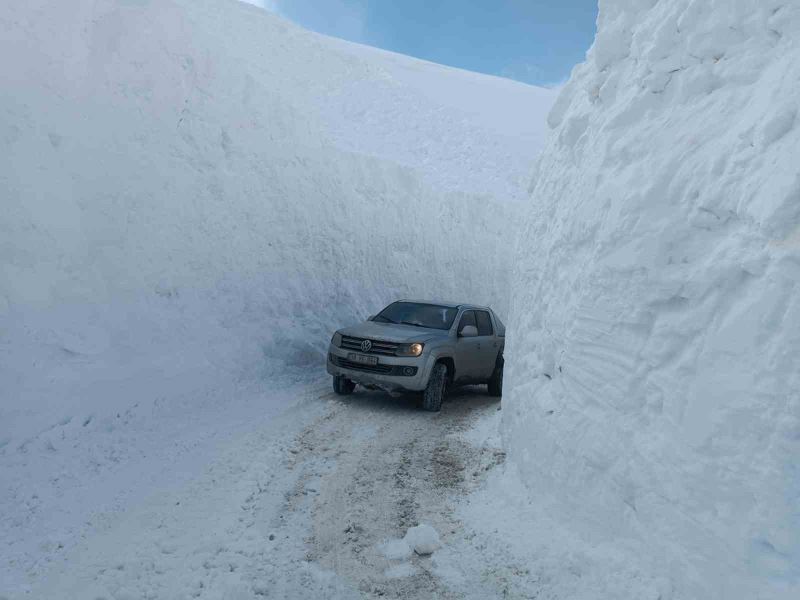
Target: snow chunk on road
<point>423,538</point>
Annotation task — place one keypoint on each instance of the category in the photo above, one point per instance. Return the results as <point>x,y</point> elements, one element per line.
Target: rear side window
<point>484,322</point>
<point>468,318</point>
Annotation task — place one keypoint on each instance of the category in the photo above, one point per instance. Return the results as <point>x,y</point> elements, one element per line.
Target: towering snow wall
<point>194,189</point>
<point>654,354</point>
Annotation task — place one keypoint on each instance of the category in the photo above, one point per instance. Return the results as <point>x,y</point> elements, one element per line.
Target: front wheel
<point>342,385</point>
<point>496,382</point>
<point>435,391</point>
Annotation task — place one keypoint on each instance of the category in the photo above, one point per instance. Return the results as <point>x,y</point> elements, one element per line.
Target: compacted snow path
<point>313,504</point>
<point>377,466</point>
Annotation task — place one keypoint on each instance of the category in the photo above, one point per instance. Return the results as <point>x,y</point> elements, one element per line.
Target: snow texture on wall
<point>654,349</point>
<point>197,189</point>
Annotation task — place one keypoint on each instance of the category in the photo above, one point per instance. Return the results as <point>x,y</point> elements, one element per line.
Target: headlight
<point>414,349</point>
<point>336,340</point>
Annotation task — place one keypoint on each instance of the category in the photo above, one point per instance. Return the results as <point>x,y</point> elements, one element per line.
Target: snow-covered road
<point>376,466</point>
<point>302,506</point>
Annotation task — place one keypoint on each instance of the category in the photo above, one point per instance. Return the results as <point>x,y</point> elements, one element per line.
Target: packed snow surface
<point>195,195</point>
<point>395,549</point>
<point>653,365</point>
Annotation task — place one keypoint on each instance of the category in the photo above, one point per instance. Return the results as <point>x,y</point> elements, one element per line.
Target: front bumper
<point>392,373</point>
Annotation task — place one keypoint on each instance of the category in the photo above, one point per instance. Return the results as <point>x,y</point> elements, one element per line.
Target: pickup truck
<point>419,346</point>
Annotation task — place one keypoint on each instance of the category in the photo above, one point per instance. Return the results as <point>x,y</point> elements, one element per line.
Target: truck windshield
<point>431,316</point>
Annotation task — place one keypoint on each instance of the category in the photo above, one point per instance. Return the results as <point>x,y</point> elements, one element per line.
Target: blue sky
<point>535,41</point>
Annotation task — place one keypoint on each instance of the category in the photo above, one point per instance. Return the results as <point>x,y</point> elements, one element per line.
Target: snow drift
<point>653,375</point>
<point>198,189</point>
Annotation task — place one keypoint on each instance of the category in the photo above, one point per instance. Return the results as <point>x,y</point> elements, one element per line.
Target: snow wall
<point>653,374</point>
<point>195,190</point>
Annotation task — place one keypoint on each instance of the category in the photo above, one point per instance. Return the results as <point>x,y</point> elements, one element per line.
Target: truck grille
<point>378,346</point>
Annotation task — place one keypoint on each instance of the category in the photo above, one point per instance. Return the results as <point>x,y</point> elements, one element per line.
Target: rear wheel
<point>342,385</point>
<point>436,389</point>
<point>496,382</point>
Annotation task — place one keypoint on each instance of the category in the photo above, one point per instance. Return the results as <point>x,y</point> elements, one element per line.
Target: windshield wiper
<point>415,324</point>
<point>386,319</point>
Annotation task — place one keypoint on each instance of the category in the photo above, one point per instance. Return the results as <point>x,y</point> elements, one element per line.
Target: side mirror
<point>369,318</point>
<point>469,331</point>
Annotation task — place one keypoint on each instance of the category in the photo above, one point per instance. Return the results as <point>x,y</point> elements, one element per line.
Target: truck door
<point>487,347</point>
<point>467,350</point>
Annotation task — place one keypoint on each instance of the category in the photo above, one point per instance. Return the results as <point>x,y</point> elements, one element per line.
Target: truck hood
<point>393,333</point>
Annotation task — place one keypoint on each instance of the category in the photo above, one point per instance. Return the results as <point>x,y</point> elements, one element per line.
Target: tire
<point>496,382</point>
<point>436,389</point>
<point>342,385</point>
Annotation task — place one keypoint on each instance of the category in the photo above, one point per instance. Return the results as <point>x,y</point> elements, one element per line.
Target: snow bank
<point>196,189</point>
<point>653,382</point>
<point>193,195</point>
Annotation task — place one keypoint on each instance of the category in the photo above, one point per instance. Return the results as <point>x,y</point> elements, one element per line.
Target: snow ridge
<point>653,388</point>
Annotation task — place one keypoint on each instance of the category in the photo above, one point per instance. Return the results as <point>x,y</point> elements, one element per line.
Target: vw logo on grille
<point>366,346</point>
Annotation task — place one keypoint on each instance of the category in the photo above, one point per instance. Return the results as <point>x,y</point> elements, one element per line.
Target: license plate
<point>362,359</point>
